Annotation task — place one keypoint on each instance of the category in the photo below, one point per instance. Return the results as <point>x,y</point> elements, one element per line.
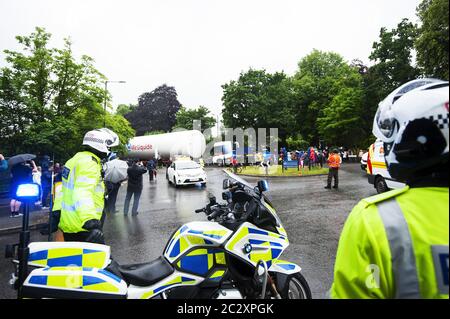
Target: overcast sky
<point>198,45</point>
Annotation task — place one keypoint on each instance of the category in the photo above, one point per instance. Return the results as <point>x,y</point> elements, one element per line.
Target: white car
<point>364,161</point>
<point>183,172</point>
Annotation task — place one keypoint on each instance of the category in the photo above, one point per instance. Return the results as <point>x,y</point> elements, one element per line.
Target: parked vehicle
<point>378,174</point>
<point>186,172</point>
<point>364,161</point>
<point>233,255</point>
<point>223,153</point>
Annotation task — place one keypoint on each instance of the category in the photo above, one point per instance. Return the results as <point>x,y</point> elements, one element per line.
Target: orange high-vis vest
<point>334,161</point>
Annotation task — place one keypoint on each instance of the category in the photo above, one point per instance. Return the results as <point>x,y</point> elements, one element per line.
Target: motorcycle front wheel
<point>296,287</point>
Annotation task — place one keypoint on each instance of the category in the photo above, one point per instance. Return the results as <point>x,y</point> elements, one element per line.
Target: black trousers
<point>137,195</point>
<point>333,173</point>
<point>46,193</point>
<point>113,190</point>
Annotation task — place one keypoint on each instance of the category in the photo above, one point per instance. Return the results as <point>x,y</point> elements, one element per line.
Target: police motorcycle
<point>233,255</point>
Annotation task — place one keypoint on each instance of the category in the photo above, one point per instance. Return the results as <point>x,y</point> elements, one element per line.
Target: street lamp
<point>106,92</point>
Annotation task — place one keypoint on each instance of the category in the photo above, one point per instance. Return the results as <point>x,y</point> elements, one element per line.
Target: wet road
<point>312,216</point>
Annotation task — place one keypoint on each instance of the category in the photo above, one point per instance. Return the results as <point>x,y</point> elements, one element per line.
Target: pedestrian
<point>83,191</point>
<point>395,244</point>
<point>320,158</point>
<point>234,164</point>
<point>135,173</point>
<point>112,190</point>
<point>3,163</point>
<point>312,157</point>
<point>21,173</point>
<point>334,162</point>
<point>37,180</point>
<point>151,167</point>
<point>46,182</point>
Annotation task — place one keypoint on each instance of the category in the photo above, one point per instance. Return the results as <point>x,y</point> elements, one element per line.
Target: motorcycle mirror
<point>212,198</point>
<point>226,195</point>
<point>263,186</point>
<point>226,183</point>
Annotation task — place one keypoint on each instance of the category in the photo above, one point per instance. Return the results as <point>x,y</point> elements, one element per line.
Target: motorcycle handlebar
<point>199,210</point>
<point>214,215</point>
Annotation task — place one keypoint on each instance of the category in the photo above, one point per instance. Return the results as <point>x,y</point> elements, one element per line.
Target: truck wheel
<point>380,185</point>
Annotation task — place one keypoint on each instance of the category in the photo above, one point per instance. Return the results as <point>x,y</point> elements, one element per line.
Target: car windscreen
<point>186,165</point>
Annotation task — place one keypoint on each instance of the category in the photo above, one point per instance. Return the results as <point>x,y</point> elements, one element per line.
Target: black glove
<point>96,236</point>
<point>93,226</point>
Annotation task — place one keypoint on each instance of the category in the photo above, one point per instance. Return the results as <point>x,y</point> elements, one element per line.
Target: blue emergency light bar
<point>28,192</point>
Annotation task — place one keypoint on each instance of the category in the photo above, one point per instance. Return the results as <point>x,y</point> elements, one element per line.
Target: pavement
<point>312,216</point>
<point>38,216</point>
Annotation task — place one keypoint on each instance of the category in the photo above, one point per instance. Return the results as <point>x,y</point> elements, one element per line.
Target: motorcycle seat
<point>146,274</point>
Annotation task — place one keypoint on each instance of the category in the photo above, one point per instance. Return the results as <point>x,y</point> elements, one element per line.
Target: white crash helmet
<point>412,122</point>
<point>101,140</point>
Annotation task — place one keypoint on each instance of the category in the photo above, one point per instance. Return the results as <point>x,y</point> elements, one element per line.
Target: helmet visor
<point>385,125</point>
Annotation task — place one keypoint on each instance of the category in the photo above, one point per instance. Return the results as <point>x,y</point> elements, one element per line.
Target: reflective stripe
<point>77,205</point>
<point>71,182</point>
<point>84,179</point>
<point>402,252</point>
<point>86,201</point>
<point>99,188</point>
<point>68,208</point>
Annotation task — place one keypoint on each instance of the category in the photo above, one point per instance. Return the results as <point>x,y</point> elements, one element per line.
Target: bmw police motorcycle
<point>233,255</point>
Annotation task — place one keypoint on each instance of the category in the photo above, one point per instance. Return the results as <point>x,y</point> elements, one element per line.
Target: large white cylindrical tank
<point>188,143</point>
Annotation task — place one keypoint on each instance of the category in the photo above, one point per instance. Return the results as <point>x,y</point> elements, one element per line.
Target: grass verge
<point>276,170</point>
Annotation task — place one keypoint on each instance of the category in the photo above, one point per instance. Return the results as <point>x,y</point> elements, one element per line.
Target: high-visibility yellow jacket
<point>82,193</point>
<point>395,245</point>
<point>57,196</point>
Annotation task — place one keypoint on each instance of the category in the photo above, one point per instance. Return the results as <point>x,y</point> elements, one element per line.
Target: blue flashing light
<point>28,191</point>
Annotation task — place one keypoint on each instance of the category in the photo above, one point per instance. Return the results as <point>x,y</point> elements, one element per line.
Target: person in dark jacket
<point>21,173</point>
<point>46,182</point>
<point>151,167</point>
<point>3,163</point>
<point>135,173</point>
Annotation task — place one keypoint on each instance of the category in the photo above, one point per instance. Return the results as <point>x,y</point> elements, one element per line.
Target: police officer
<point>83,188</point>
<point>395,245</point>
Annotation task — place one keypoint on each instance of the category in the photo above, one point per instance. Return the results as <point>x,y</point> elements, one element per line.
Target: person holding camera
<point>21,173</point>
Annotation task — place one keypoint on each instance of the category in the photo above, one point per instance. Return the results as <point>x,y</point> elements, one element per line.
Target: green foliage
<point>296,143</point>
<point>154,132</point>
<point>185,118</point>
<point>432,44</point>
<point>123,109</point>
<point>48,100</point>
<point>259,100</point>
<point>393,56</point>
<point>156,110</point>
<point>324,109</point>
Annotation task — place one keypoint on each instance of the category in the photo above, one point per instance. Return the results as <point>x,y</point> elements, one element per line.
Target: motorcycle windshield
<point>240,180</point>
<point>267,203</point>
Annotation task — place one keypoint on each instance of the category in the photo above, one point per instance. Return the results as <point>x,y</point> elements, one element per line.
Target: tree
<point>322,76</point>
<point>49,100</point>
<point>185,118</point>
<point>156,110</point>
<point>432,43</point>
<point>393,56</point>
<point>259,100</point>
<point>123,109</point>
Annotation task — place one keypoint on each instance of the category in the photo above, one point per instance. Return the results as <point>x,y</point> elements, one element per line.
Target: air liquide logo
<point>140,148</point>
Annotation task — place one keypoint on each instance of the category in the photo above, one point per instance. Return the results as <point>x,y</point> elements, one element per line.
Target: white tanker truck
<point>167,146</point>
